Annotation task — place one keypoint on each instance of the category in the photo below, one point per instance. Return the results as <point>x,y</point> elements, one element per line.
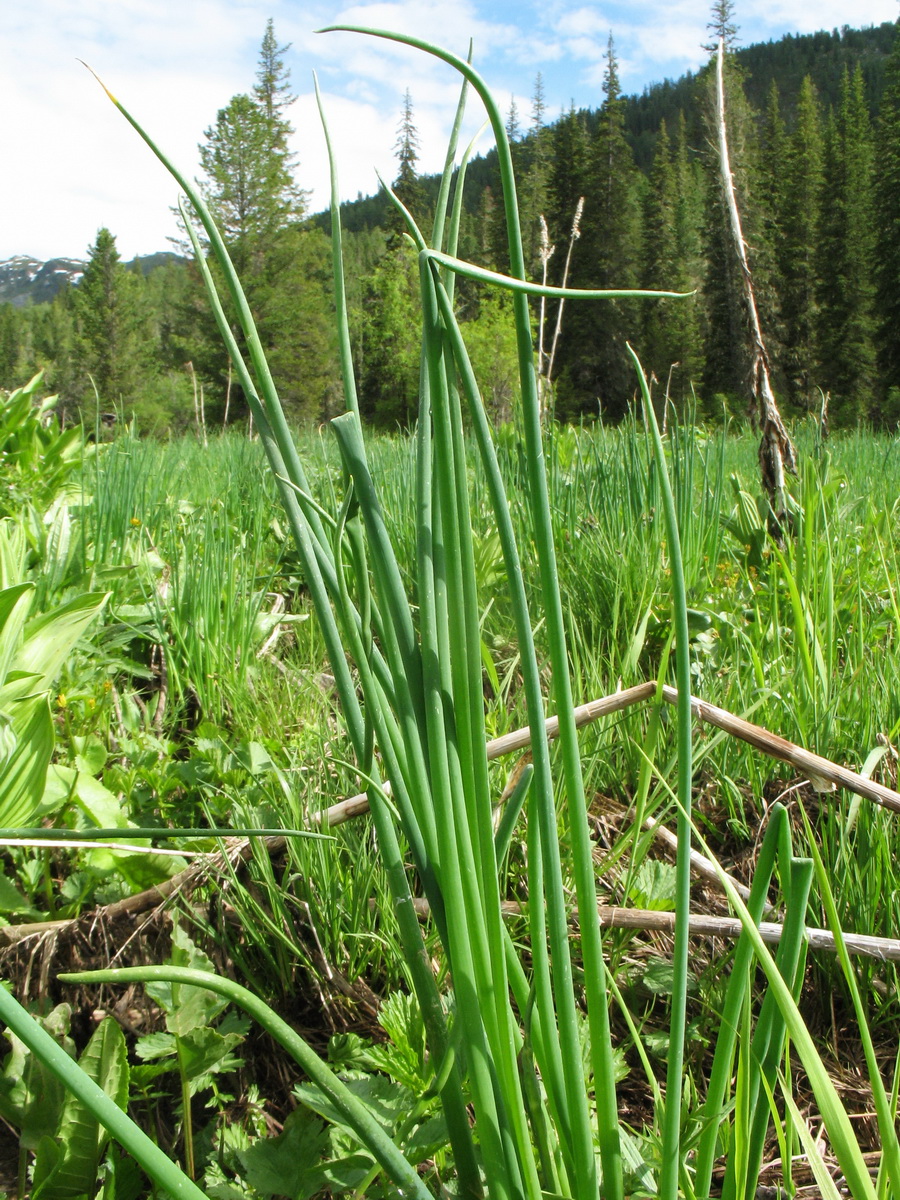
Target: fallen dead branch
<point>643,920</point>
<point>812,765</point>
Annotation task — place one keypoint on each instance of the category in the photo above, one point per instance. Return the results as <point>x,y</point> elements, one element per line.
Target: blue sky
<point>71,164</point>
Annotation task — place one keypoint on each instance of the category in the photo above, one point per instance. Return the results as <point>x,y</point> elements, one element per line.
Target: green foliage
<point>67,1162</point>
<point>32,653</point>
<point>415,604</point>
<point>801,218</point>
<point>31,1094</point>
<point>845,258</point>
<point>248,184</point>
<point>407,185</point>
<point>38,460</point>
<point>887,236</point>
<point>609,254</point>
<point>111,326</point>
<point>389,374</point>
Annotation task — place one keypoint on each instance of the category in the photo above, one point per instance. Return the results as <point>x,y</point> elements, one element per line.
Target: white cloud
<point>71,163</point>
<point>583,22</point>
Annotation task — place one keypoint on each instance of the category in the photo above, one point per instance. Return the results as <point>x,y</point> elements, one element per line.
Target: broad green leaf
<point>23,774</point>
<point>14,605</point>
<point>204,1052</point>
<point>11,899</point>
<point>156,1045</point>
<point>51,636</point>
<point>388,1102</point>
<point>187,1007</point>
<point>287,1165</point>
<point>31,1096</point>
<point>47,1166</point>
<point>80,1135</point>
<point>91,755</point>
<point>653,886</point>
<point>12,554</point>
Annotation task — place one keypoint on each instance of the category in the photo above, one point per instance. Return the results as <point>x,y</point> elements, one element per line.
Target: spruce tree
<point>272,89</point>
<point>845,258</point>
<point>721,26</point>
<point>568,171</point>
<point>407,184</point>
<point>726,344</point>
<point>389,374</point>
<point>513,128</point>
<point>660,257</point>
<point>594,360</point>
<point>887,240</point>
<point>533,181</point>
<point>251,188</point>
<point>670,343</point>
<point>801,209</point>
<point>249,182</point>
<point>112,324</point>
<point>9,346</point>
<point>689,216</point>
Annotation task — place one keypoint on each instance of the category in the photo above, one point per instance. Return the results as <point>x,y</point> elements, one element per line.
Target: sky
<point>71,164</point>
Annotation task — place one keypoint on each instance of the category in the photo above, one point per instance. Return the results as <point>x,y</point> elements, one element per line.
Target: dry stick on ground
<point>813,765</point>
<point>776,450</point>
<point>647,920</point>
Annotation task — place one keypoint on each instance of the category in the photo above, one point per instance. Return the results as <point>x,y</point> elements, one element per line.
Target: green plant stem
<point>352,1110</point>
<point>671,1154</point>
<point>723,1058</point>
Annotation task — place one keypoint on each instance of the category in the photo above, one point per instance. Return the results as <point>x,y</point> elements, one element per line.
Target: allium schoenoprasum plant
<point>522,1059</point>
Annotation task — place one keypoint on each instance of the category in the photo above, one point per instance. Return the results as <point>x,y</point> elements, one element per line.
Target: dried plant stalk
<point>776,450</point>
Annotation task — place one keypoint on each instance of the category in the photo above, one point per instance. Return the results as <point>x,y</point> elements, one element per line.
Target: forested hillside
<point>814,126</point>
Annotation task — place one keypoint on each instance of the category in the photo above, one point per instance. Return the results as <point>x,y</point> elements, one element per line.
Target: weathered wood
<point>811,765</point>
<point>762,739</point>
<point>643,920</point>
<point>776,450</point>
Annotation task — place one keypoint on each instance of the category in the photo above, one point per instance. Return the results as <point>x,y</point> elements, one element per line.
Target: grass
<point>276,945</point>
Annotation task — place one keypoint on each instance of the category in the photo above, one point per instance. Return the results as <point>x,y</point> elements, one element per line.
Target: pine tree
<point>9,346</point>
<point>513,128</point>
<point>251,189</point>
<point>533,184</point>
<point>272,89</point>
<point>407,184</point>
<point>887,237</point>
<point>55,351</point>
<point>670,347</point>
<point>389,375</point>
<point>726,347</point>
<point>249,184</point>
<point>112,341</point>
<point>800,222</point>
<point>568,171</point>
<point>845,257</point>
<point>594,360</point>
<point>538,104</point>
<point>689,215</point>
<point>247,160</point>
<point>770,184</point>
<point>660,257</point>
<point>721,25</point>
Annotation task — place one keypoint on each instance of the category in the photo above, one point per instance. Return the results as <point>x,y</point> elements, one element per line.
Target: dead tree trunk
<point>776,450</point>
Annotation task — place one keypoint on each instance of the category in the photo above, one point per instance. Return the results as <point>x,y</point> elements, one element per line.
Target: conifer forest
<point>813,125</point>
